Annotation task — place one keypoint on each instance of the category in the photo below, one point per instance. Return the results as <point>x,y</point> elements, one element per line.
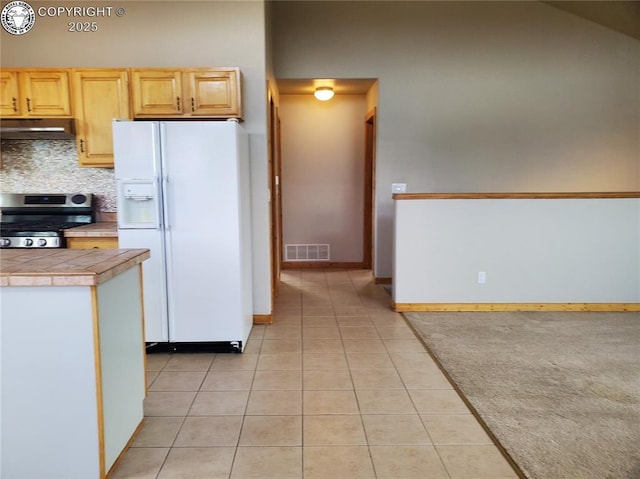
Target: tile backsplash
<point>51,166</point>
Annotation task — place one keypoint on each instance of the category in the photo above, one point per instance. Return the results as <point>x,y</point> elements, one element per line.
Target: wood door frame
<point>370,125</point>
<point>275,198</point>
<point>278,164</point>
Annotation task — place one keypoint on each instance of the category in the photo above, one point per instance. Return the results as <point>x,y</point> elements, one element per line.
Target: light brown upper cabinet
<point>187,92</point>
<point>9,103</point>
<point>156,93</point>
<point>35,93</point>
<point>214,93</point>
<point>99,96</point>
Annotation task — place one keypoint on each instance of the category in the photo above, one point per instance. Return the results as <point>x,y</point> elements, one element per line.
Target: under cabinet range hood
<point>37,129</point>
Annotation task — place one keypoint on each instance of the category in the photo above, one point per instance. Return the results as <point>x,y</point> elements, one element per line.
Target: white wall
<point>532,251</point>
<point>477,96</point>
<point>167,34</point>
<point>323,173</point>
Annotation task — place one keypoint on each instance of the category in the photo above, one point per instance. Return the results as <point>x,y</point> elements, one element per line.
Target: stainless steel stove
<point>38,220</point>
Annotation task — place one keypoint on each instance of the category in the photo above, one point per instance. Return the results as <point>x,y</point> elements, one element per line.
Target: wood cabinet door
<point>214,93</point>
<point>10,96</point>
<point>46,93</point>
<point>156,93</point>
<point>100,96</point>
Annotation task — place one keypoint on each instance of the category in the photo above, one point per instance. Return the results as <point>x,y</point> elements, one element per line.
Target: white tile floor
<point>338,387</point>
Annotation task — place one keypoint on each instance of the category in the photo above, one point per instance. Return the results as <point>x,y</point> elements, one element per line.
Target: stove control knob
<point>28,242</point>
<point>42,242</point>
<point>78,199</point>
<point>5,242</point>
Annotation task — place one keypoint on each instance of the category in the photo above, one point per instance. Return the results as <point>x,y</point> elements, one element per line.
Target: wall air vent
<point>306,252</point>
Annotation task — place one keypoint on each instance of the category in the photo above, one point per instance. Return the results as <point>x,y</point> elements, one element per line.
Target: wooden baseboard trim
<point>382,280</point>
<point>262,319</point>
<point>321,264</point>
<point>513,196</point>
<point>469,307</point>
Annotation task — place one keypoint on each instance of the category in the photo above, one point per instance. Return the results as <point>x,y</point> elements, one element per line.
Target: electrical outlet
<point>398,187</point>
<point>482,277</point>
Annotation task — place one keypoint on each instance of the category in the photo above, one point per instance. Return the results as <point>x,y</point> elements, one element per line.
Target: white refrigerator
<point>183,192</point>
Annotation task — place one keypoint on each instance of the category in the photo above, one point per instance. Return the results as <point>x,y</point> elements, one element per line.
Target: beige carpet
<point>560,391</point>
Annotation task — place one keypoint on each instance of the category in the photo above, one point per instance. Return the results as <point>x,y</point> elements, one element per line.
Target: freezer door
<point>154,281</point>
<point>139,197</point>
<point>136,149</point>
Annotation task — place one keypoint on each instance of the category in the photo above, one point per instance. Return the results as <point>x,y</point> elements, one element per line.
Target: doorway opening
<point>327,170</point>
<point>369,188</point>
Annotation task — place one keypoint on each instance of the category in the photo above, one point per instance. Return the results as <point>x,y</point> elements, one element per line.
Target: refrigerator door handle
<point>168,257</point>
<point>168,246</point>
<point>165,203</point>
<point>159,205</point>
<point>165,176</point>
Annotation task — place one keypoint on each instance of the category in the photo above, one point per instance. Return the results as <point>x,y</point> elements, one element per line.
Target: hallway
<point>338,387</point>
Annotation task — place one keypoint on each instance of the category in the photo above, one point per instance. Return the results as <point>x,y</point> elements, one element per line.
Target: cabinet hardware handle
<point>28,104</point>
<point>81,146</point>
<point>193,104</point>
<point>14,104</point>
<point>178,103</point>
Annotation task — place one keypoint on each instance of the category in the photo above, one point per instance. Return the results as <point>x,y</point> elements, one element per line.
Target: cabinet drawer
<point>89,243</point>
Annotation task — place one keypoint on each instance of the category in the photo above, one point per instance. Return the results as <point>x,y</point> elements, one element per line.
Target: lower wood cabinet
<point>92,242</point>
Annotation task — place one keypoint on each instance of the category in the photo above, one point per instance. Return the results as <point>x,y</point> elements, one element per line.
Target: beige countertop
<point>101,229</point>
<point>66,267</point>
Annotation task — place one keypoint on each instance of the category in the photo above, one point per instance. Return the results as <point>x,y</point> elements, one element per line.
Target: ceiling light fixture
<point>324,93</point>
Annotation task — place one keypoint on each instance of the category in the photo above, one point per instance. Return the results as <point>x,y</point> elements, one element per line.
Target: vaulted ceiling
<point>621,16</point>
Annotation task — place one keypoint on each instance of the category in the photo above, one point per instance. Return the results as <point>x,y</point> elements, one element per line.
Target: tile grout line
<point>360,415</point>
<point>246,407</point>
<point>302,421</point>
<point>343,304</point>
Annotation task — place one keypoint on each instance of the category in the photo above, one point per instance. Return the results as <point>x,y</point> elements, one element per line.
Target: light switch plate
<point>398,187</point>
